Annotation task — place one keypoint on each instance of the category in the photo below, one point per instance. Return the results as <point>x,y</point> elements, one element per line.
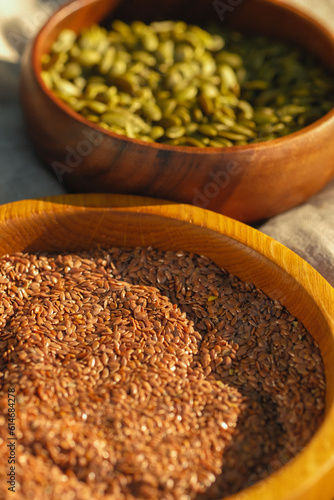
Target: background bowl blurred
<point>76,222</point>
<point>248,183</point>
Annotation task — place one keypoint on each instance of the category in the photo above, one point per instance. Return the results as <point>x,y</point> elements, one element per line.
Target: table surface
<point>307,229</point>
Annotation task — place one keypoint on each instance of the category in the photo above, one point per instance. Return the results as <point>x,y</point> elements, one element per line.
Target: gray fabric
<point>22,175</point>
<point>307,229</point>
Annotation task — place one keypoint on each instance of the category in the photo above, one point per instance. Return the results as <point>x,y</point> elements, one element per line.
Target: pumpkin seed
<point>228,78</point>
<point>71,71</point>
<point>157,132</point>
<point>150,41</point>
<point>64,41</point>
<point>167,106</point>
<point>65,87</point>
<point>186,94</point>
<point>264,115</point>
<point>243,130</point>
<point>175,132</point>
<point>209,90</point>
<point>208,130</point>
<point>223,142</point>
<point>88,58</point>
<point>192,141</point>
<point>107,60</point>
<point>118,68</point>
<point>170,121</point>
<point>126,83</point>
<point>206,104</point>
<point>152,111</point>
<point>233,136</point>
<point>215,144</point>
<point>47,79</point>
<point>233,60</point>
<point>182,85</point>
<point>184,114</point>
<point>96,106</point>
<point>191,128</point>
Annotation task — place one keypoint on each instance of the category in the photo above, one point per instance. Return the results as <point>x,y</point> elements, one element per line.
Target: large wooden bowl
<point>74,222</point>
<point>244,182</point>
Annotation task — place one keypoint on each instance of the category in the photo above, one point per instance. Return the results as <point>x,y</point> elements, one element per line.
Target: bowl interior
<point>77,222</point>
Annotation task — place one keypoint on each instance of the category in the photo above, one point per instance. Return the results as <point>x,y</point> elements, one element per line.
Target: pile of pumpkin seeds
<point>179,84</point>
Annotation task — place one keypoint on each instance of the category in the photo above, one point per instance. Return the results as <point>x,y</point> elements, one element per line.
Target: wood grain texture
<point>75,222</point>
<point>247,183</point>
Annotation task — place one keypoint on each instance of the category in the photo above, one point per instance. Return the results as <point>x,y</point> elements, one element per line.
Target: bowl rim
<point>74,5</point>
<point>316,460</point>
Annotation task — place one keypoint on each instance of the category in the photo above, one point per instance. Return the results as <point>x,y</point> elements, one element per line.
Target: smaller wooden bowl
<point>76,222</point>
<point>244,182</point>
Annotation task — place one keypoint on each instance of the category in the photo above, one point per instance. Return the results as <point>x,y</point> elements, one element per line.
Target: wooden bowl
<point>248,183</point>
<point>75,222</point>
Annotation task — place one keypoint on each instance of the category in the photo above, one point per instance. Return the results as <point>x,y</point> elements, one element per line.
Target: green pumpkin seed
<point>65,87</point>
<point>208,64</point>
<point>96,106</point>
<point>157,132</point>
<point>228,77</point>
<point>165,52</point>
<point>175,132</point>
<point>144,57</point>
<point>127,83</point>
<point>187,141</point>
<point>95,88</point>
<point>223,142</point>
<point>291,109</point>
<point>192,141</point>
<point>64,41</point>
<point>247,123</point>
<point>71,71</point>
<point>47,79</point>
<point>152,111</point>
<point>80,82</point>
<point>233,60</point>
<point>222,118</point>
<point>112,118</point>
<point>208,130</point>
<point>88,58</point>
<point>264,115</point>
<point>197,115</point>
<point>170,121</point>
<point>246,109</point>
<point>118,68</point>
<point>233,136</point>
<point>206,104</point>
<point>167,105</point>
<point>183,113</point>
<point>209,90</point>
<point>215,144</point>
<point>191,128</point>
<point>107,60</point>
<point>117,130</point>
<point>145,138</point>
<point>243,130</point>
<point>173,77</point>
<point>256,85</point>
<point>150,41</point>
<point>186,94</point>
<point>183,52</point>
<point>181,85</point>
